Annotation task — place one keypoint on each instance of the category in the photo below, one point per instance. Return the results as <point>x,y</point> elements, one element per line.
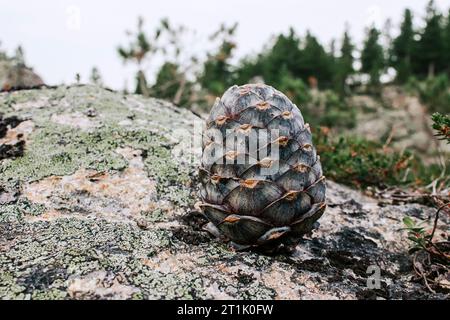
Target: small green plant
<point>416,234</point>
<point>441,123</point>
<point>430,259</point>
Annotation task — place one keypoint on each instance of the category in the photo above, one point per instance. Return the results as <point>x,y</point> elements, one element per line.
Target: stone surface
<point>101,205</point>
<point>399,120</point>
<point>15,75</point>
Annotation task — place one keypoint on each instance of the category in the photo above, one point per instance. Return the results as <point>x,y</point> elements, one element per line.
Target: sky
<point>64,37</point>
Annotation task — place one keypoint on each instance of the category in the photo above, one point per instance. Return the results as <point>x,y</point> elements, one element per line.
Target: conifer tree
<point>344,67</point>
<point>430,46</point>
<point>446,45</point>
<point>401,53</point>
<point>284,55</point>
<point>95,77</point>
<point>315,62</point>
<point>372,56</point>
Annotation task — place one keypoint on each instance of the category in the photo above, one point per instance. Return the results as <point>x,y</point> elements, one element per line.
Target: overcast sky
<point>65,37</point>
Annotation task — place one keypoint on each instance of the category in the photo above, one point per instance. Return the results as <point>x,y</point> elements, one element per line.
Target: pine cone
<point>262,183</point>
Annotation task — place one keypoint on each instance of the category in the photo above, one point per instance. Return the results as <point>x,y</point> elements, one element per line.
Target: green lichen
<point>52,294</point>
<point>9,289</point>
<point>46,254</point>
<point>61,150</point>
<point>157,215</point>
<point>16,211</point>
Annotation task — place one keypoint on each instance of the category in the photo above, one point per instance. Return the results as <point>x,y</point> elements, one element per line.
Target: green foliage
<point>304,59</point>
<point>441,123</point>
<point>139,47</point>
<point>372,56</point>
<point>171,84</point>
<point>284,56</point>
<point>434,91</point>
<point>416,234</point>
<point>360,163</point>
<point>315,62</point>
<point>430,47</point>
<point>446,40</point>
<point>290,61</point>
<point>294,88</point>
<point>344,64</point>
<point>248,68</point>
<point>337,113</point>
<point>403,48</point>
<point>171,80</point>
<point>165,86</point>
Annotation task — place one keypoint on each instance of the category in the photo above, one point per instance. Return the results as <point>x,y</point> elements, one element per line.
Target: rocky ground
<point>97,201</point>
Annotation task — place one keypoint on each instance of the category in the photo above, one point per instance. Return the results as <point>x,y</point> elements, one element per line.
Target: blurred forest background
<point>379,109</point>
<point>370,108</point>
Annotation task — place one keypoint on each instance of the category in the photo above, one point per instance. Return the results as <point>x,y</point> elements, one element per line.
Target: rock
<point>16,75</point>
<point>398,119</point>
<point>101,205</point>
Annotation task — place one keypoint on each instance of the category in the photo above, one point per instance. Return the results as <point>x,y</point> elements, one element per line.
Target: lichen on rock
<point>100,205</point>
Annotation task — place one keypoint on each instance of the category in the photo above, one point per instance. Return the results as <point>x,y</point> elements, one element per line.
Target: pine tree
<point>291,57</point>
<point>20,56</point>
<point>402,48</point>
<point>95,77</point>
<point>372,56</point>
<point>284,55</point>
<point>344,67</point>
<point>315,62</point>
<point>446,39</point>
<point>430,46</point>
